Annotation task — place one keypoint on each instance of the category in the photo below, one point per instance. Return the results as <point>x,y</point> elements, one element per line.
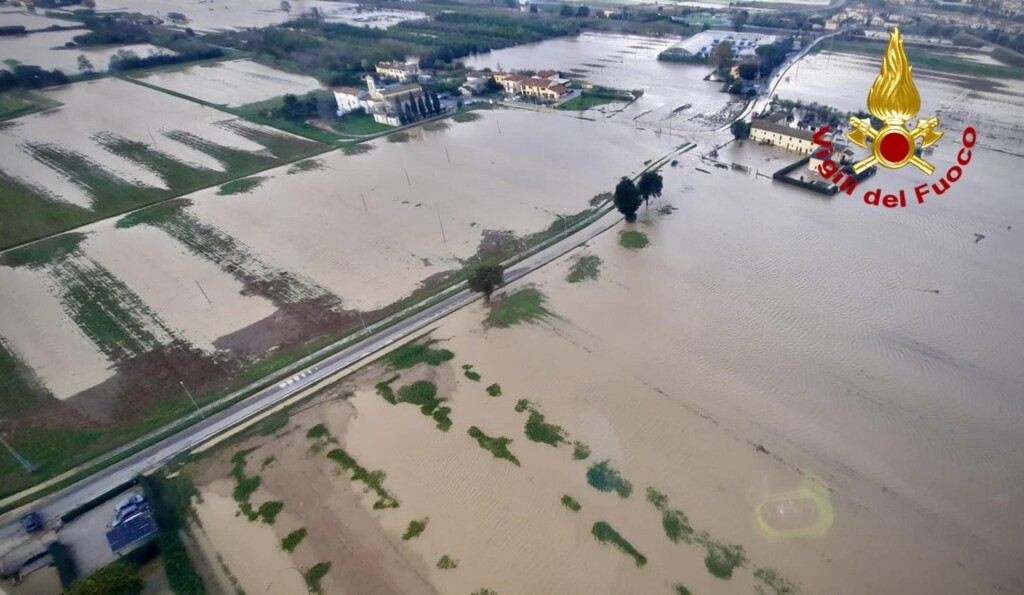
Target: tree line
<point>26,76</point>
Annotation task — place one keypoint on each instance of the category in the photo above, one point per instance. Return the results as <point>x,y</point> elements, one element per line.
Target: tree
<point>627,198</point>
<point>566,11</point>
<point>583,11</point>
<point>650,184</point>
<point>424,110</point>
<point>436,102</point>
<point>740,130</point>
<point>286,6</point>
<point>749,70</point>
<point>485,279</point>
<point>533,8</point>
<point>84,65</point>
<point>739,19</point>
<point>721,56</point>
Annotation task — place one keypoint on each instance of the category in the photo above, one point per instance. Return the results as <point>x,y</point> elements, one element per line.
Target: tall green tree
<point>566,11</point>
<point>423,109</point>
<point>583,11</point>
<point>721,56</point>
<point>627,198</point>
<point>485,279</point>
<point>740,130</point>
<point>435,103</point>
<point>650,184</point>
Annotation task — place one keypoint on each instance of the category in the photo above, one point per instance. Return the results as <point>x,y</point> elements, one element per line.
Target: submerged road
<point>62,501</point>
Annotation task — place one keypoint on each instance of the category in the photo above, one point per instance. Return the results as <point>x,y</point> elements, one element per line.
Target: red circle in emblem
<point>894,147</point>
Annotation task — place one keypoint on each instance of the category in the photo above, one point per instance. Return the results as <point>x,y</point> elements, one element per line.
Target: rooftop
<point>400,89</point>
<point>348,90</point>
<point>782,129</point>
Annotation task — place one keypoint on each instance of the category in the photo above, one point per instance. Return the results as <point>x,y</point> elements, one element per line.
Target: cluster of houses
<point>546,85</point>
<point>396,103</point>
<point>772,131</point>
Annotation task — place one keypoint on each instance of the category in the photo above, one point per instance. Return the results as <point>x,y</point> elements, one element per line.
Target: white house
<point>792,139</point>
<point>350,99</point>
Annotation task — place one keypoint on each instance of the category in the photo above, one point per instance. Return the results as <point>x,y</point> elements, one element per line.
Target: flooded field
<point>13,16</point>
<point>994,107</point>
<point>46,50</point>
<point>218,15</point>
<point>80,162</point>
<point>806,384</point>
<point>207,284</point>
<point>674,94</point>
<point>233,83</point>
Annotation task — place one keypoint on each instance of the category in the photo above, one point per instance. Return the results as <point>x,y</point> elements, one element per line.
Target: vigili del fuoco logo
<point>894,100</point>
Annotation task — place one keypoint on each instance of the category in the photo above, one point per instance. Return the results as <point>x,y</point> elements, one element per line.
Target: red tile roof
<point>546,74</point>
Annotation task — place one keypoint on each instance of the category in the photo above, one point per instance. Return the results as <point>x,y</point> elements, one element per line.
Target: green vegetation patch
<point>306,165</point>
<point>293,539</point>
<point>17,103</point>
<point>494,390</point>
<point>585,102</point>
<point>580,451</point>
<point>466,117</point>
<point>268,511</point>
<point>358,149</point>
<point>674,522</point>
<point>268,462</point>
<point>415,528</point>
<point>374,480</point>
<point>770,582</point>
<point>118,578</point>
<point>539,430</point>
<point>423,394</point>
<point>681,590</point>
<point>399,137</point>
<point>360,125</point>
<point>103,307</point>
<point>467,370</point>
<point>418,352</point>
<point>525,305</point>
<point>245,486</point>
<point>447,563</point>
<point>571,503</point>
<point>243,186</point>
<point>721,558</point>
<point>634,240</point>
<point>314,575</point>
<point>605,478</point>
<point>522,405</point>
<point>20,389</point>
<point>436,126</point>
<point>318,431</point>
<point>384,389</point>
<point>604,533</point>
<point>584,268</point>
<point>497,446</point>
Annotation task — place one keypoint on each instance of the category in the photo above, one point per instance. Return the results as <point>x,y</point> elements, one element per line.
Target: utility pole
<point>407,177</point>
<point>438,206</point>
<point>29,467</point>
<point>363,196</point>
<point>361,321</point>
<point>204,292</point>
<point>191,398</point>
<point>447,155</point>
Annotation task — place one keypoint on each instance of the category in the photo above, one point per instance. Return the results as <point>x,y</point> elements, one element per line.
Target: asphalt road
<point>56,504</point>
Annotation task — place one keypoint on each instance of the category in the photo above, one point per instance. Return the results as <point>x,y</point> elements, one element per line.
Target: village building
<point>780,135</point>
<point>841,154</point>
<point>350,99</point>
<point>401,71</point>
<point>393,106</point>
<point>544,89</point>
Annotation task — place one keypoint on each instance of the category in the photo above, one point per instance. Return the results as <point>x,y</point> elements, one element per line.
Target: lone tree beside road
<point>650,184</point>
<point>486,279</point>
<point>627,198</point>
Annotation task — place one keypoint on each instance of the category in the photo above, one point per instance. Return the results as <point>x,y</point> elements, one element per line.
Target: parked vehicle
<point>125,513</point>
<point>31,522</point>
<point>136,500</point>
